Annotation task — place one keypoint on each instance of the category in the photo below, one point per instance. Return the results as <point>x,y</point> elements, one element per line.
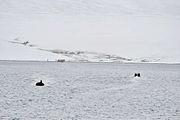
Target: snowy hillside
<point>55,54</point>
<point>135,30</point>
<point>79,56</point>
<point>91,7</point>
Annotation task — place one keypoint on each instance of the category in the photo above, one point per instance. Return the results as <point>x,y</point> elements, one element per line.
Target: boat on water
<point>61,60</point>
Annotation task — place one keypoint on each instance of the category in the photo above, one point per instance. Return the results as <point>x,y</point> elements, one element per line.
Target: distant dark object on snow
<point>25,43</point>
<point>40,83</point>
<point>61,60</point>
<point>137,75</point>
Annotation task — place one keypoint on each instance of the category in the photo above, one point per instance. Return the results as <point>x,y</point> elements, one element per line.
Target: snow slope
<point>128,28</point>
<point>79,56</point>
<point>91,7</point>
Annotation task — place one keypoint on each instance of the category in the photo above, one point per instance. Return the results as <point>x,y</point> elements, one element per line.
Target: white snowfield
<point>130,29</point>
<point>91,7</point>
<point>89,91</point>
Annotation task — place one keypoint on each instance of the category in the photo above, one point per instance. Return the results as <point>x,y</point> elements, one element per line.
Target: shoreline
<point>168,63</point>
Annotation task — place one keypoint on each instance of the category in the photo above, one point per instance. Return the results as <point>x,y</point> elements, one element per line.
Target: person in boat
<point>40,83</point>
<point>137,75</point>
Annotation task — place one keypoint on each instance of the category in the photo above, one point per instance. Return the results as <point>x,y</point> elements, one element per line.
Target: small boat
<point>137,75</point>
<point>61,60</point>
<point>40,83</point>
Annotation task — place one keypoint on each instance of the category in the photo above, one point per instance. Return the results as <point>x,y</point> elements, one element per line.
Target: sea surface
<point>89,91</point>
